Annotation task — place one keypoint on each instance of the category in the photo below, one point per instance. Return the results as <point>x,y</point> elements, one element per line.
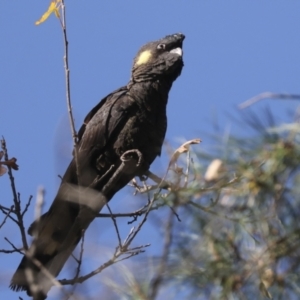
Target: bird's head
<point>160,59</point>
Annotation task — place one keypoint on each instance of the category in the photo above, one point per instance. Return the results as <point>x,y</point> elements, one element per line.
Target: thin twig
<point>118,215</point>
<point>11,251</point>
<point>4,208</point>
<point>80,254</point>
<point>67,74</point>
<point>134,214</point>
<point>97,271</point>
<point>79,263</point>
<point>7,215</point>
<point>13,246</point>
<point>16,199</point>
<point>68,88</point>
<point>268,95</point>
<point>175,213</point>
<point>115,224</point>
<point>27,205</point>
<point>134,232</point>
<point>5,212</point>
<point>132,252</point>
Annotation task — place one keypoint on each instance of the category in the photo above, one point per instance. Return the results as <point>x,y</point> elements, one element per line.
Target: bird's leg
<point>130,165</point>
<point>98,179</point>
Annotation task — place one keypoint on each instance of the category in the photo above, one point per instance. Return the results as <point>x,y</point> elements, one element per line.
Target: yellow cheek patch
<point>143,57</point>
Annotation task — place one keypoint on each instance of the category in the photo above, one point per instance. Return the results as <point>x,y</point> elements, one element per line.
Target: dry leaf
<point>10,163</point>
<point>183,149</point>
<point>2,170</point>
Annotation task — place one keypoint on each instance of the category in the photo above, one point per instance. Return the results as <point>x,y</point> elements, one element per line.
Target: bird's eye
<point>161,46</point>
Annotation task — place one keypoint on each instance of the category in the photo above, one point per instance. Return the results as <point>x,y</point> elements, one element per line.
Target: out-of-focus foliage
<point>229,220</point>
<point>239,235</point>
<point>242,237</point>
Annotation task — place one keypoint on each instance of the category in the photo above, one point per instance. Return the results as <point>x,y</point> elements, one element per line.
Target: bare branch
<point>7,215</point>
<point>79,262</point>
<point>5,210</point>
<point>13,246</point>
<point>134,214</point>
<point>67,74</point>
<point>10,251</point>
<point>134,231</point>
<point>115,224</point>
<point>175,213</point>
<point>268,95</point>
<point>68,88</point>
<point>27,205</point>
<point>16,197</point>
<point>80,255</point>
<point>98,270</point>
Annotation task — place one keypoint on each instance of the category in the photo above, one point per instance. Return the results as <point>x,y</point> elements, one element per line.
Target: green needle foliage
<point>241,238</point>
<point>239,235</point>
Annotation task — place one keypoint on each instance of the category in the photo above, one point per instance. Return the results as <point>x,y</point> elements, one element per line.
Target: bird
<point>118,140</point>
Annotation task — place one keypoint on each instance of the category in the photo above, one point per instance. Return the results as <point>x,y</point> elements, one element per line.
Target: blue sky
<point>233,51</point>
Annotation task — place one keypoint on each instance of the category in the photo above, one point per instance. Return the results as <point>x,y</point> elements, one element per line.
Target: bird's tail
<point>19,280</point>
<point>28,276</point>
<point>58,233</point>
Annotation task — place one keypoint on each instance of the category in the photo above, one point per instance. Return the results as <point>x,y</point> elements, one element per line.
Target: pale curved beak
<point>177,51</point>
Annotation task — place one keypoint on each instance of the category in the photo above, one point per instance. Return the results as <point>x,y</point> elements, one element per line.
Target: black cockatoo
<point>130,118</point>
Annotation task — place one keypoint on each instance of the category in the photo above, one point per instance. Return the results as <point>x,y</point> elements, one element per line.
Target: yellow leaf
<point>57,13</point>
<point>53,8</point>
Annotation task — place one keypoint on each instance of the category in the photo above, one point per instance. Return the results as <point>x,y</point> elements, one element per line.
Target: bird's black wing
<point>99,131</point>
<point>132,117</point>
<point>114,95</point>
<point>101,126</point>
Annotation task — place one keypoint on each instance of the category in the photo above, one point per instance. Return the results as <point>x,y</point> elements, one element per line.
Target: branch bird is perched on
<point>130,118</point>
